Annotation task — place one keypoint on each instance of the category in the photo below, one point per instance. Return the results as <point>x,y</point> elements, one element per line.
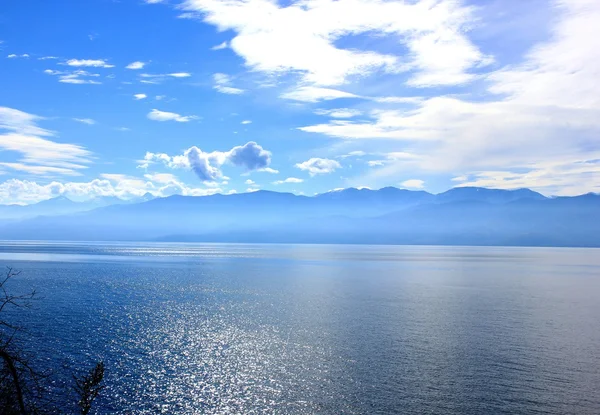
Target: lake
<point>317,329</point>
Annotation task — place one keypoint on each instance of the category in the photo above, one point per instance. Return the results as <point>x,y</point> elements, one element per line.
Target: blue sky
<point>120,98</point>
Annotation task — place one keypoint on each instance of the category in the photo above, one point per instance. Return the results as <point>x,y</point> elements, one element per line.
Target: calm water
<point>286,329</point>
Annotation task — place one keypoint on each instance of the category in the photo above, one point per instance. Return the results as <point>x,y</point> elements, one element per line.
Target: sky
<point>196,97</point>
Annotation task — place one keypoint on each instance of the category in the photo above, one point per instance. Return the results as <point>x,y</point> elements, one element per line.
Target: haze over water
<point>326,329</point>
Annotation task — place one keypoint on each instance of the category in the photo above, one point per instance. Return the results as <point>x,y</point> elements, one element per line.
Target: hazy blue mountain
<point>461,216</point>
<point>482,194</point>
<point>62,205</point>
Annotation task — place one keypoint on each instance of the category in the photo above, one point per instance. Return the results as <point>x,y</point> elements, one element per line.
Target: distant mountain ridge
<point>62,205</point>
<point>465,215</point>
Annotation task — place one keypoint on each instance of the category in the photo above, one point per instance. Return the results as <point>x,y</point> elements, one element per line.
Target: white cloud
<point>14,56</point>
<point>116,185</point>
<point>207,166</point>
<point>249,182</point>
<point>39,155</point>
<point>154,1</point>
<point>301,38</point>
<point>268,170</point>
<point>160,97</point>
<point>44,58</point>
<point>223,84</point>
<point>413,184</point>
<point>157,115</point>
<point>316,166</point>
<point>140,96</point>
<point>246,122</point>
<point>136,65</point>
<point>315,94</point>
<point>161,76</point>
<point>95,63</point>
<point>87,121</point>
<point>220,46</point>
<point>545,110</point>
<point>339,112</point>
<point>74,77</point>
<point>288,180</point>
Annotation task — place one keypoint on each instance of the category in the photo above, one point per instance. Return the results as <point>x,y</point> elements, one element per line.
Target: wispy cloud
<point>220,46</point>
<point>302,38</point>
<point>20,133</point>
<point>157,115</point>
<point>223,84</point>
<point>140,96</point>
<point>78,77</point>
<point>87,121</point>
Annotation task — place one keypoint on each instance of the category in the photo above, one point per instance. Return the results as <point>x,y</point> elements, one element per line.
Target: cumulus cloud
<point>288,180</point>
<point>246,122</point>
<point>316,166</point>
<point>40,155</point>
<point>140,96</point>
<point>116,185</point>
<point>95,63</point>
<point>157,115</point>
<point>413,184</point>
<point>207,166</point>
<point>223,84</point>
<point>136,65</point>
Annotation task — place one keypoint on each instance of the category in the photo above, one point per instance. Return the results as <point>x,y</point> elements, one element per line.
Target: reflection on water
<point>289,329</point>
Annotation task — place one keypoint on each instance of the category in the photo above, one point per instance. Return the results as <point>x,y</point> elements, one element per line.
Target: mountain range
<point>459,216</point>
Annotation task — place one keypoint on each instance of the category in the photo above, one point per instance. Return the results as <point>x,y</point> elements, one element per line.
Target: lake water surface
<point>310,329</point>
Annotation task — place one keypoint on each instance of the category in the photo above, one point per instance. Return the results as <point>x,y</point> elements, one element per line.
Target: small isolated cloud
<point>136,65</point>
<point>316,94</point>
<point>14,56</point>
<point>269,170</point>
<point>339,112</point>
<point>161,76</point>
<point>288,180</point>
<point>153,1</point>
<point>249,182</point>
<point>160,97</point>
<point>220,46</point>
<point>44,58</point>
<point>376,163</point>
<point>246,122</point>
<point>140,96</point>
<point>316,166</point>
<point>413,184</point>
<point>87,121</point>
<point>223,84</point>
<point>157,115</point>
<point>207,166</point>
<point>94,63</point>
